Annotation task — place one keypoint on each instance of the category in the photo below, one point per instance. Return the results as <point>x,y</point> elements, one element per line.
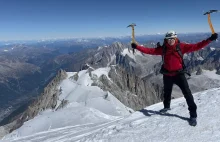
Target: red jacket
<point>172,59</point>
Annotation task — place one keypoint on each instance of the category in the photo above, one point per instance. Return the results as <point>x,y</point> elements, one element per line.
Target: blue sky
<point>38,19</point>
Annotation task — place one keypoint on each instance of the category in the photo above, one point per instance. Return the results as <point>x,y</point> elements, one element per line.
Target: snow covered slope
<point>141,126</point>
<point>86,105</point>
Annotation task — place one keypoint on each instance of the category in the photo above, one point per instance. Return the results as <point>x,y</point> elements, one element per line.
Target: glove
<point>158,44</point>
<point>134,45</point>
<point>213,37</point>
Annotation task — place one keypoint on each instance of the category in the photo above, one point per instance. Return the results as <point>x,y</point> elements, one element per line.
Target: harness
<point>178,50</point>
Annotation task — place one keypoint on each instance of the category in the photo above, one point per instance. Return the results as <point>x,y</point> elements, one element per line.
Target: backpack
<point>178,50</point>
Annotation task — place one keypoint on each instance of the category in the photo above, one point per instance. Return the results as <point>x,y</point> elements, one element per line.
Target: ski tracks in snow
<point>67,134</point>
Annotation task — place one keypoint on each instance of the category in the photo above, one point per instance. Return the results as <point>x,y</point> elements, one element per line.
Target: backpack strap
<point>164,52</point>
<point>180,53</point>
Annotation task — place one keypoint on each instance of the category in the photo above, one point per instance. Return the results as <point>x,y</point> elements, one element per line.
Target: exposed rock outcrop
<point>131,90</point>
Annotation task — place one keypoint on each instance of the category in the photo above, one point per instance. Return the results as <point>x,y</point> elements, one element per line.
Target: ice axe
<point>209,19</point>
<point>133,38</point>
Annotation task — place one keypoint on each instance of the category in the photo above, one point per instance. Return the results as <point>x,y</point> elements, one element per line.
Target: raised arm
<point>187,48</point>
<point>147,50</point>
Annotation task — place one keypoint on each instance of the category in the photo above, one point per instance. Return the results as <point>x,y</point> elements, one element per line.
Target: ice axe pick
<point>209,19</point>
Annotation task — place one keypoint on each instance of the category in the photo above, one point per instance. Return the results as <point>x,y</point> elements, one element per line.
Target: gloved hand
<point>213,37</point>
<point>158,44</point>
<point>134,45</point>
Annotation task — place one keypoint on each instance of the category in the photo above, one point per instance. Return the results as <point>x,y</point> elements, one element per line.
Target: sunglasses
<point>170,39</point>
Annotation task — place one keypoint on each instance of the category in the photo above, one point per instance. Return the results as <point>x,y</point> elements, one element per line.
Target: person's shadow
<point>152,112</point>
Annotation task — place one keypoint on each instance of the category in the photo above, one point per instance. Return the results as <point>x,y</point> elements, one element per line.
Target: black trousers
<point>181,81</point>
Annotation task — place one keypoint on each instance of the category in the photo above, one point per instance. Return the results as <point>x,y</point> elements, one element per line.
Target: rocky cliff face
<point>105,55</point>
<point>131,90</point>
<point>121,54</point>
<point>207,58</point>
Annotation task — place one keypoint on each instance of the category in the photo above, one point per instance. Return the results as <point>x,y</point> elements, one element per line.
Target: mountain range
<point>30,75</point>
